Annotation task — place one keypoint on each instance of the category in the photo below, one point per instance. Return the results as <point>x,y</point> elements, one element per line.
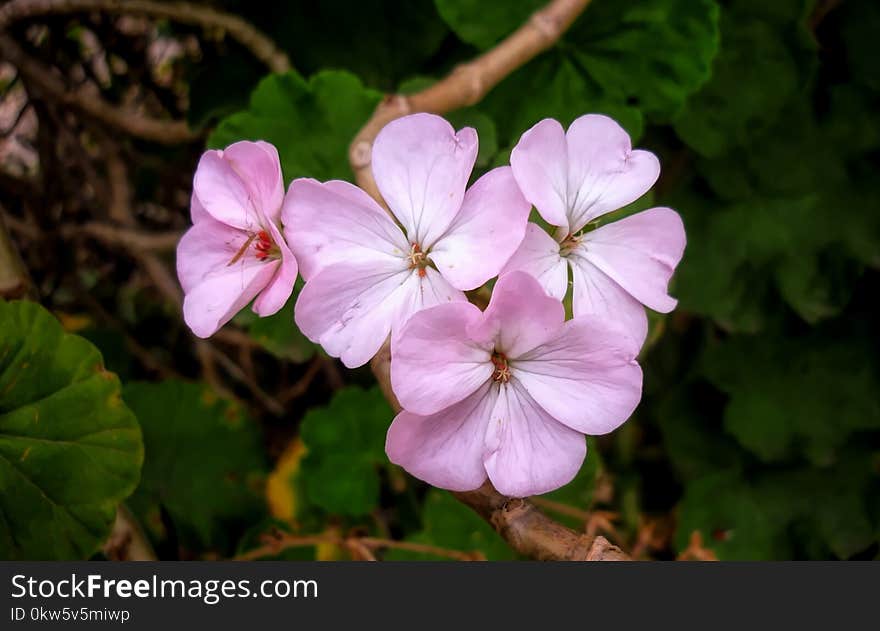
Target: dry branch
<point>244,33</point>
<point>43,80</point>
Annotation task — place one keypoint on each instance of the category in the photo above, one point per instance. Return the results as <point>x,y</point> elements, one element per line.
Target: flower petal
<point>444,449</point>
<point>215,290</point>
<point>421,167</point>
<point>604,172</point>
<point>197,212</point>
<point>527,451</point>
<point>205,247</point>
<point>331,222</point>
<point>223,194</point>
<point>350,308</point>
<point>585,377</point>
<point>640,253</point>
<point>258,166</point>
<point>538,255</point>
<point>485,233</point>
<point>433,362</point>
<point>596,294</point>
<point>519,317</point>
<point>278,291</point>
<point>540,165</point>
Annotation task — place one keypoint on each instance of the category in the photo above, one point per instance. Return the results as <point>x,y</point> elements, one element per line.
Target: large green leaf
<point>345,447</point>
<point>760,67</point>
<point>310,122</point>
<point>70,450</point>
<point>204,464</point>
<point>484,23</point>
<point>626,59</point>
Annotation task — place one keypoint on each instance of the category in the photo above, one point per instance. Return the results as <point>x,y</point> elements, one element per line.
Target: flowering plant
<point>507,393</point>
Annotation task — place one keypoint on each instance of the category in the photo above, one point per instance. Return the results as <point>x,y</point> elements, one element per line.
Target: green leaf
<point>731,521</point>
<point>757,71</point>
<point>566,93</point>
<point>310,122</point>
<point>70,450</point>
<point>345,447</point>
<point>204,467</point>
<point>447,523</point>
<point>810,394</point>
<point>650,54</point>
<point>485,23</point>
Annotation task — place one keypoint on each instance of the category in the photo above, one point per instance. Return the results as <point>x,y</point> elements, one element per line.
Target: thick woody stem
<point>468,83</point>
<point>525,528</point>
<point>260,46</point>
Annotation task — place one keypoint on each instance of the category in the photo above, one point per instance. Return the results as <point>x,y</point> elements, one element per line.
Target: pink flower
<point>507,393</point>
<point>235,252</point>
<point>575,177</point>
<point>365,273</point>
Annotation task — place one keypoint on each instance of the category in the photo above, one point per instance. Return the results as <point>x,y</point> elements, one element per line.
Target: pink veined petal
<point>215,290</point>
<point>519,317</point>
<point>278,291</point>
<point>540,165</point>
<point>433,362</point>
<point>585,377</point>
<point>422,292</point>
<point>223,194</point>
<point>197,212</point>
<point>348,308</point>
<point>527,451</point>
<point>485,233</point>
<point>640,253</point>
<point>604,172</point>
<point>259,167</point>
<point>206,247</point>
<point>421,166</point>
<point>538,255</point>
<point>444,449</point>
<point>596,294</point>
<point>331,222</point>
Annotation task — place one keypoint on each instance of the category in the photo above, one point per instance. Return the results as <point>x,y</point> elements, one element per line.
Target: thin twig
<point>359,547</point>
<point>43,80</point>
<point>261,46</point>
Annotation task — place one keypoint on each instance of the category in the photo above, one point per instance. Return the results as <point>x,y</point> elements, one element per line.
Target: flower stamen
<point>418,260</point>
<point>502,369</point>
<point>264,246</point>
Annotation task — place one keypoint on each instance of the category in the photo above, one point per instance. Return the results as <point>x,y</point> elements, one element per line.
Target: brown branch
<point>128,238</point>
<point>43,80</point>
<point>528,531</point>
<point>360,548</point>
<point>468,83</point>
<point>261,46</point>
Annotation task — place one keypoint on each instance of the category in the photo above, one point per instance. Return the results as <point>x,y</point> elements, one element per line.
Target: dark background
<point>759,433</point>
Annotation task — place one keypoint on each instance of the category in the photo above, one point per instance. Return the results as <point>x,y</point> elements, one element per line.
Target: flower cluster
<point>507,393</point>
